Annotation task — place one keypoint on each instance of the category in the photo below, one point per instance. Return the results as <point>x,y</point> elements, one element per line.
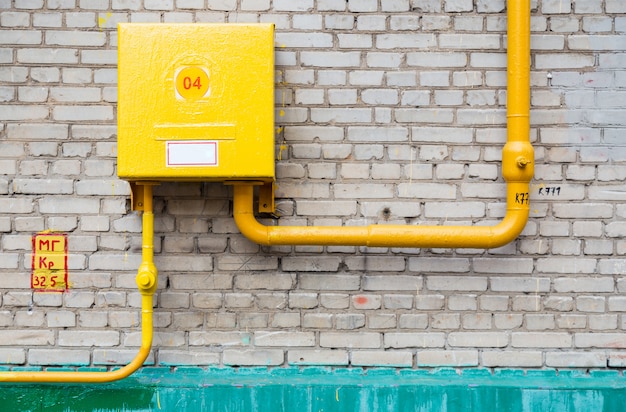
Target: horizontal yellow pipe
<point>517,170</point>
<point>380,235</point>
<point>147,282</point>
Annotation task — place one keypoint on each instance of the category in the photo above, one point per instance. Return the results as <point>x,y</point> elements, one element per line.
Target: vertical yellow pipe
<point>517,171</point>
<point>147,283</point>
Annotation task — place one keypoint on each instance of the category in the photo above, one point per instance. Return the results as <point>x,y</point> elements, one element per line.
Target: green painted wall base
<point>327,390</point>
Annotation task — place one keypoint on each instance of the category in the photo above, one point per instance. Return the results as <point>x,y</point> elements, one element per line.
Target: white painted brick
<point>24,112</point>
<point>317,357</point>
<point>454,210</point>
<point>82,113</point>
<point>58,357</point>
<point>81,19</point>
<point>401,79</point>
<point>435,78</point>
<point>347,115</point>
<point>368,22</point>
<point>13,356</point>
<point>541,340</point>
<point>175,358</point>
<point>379,96</point>
<point>338,21</point>
<point>21,37</point>
<point>338,59</point>
<point>462,302</point>
<point>567,61</point>
<point>458,5</point>
<point>43,186</point>
<point>307,22</point>
<point>452,358</point>
<point>14,19</point>
<point>304,40</point>
<point>284,339</point>
<point>75,38</point>
<point>366,78</point>
<point>377,358</point>
<point>448,97</point>
<point>88,338</point>
<point>588,6</point>
<point>32,94</point>
<point>354,41</point>
<point>438,116</point>
<point>400,41</point>
<point>47,56</point>
<point>575,360</point>
<point>578,285</point>
<point>256,357</point>
<point>357,340</point>
<point>515,359</point>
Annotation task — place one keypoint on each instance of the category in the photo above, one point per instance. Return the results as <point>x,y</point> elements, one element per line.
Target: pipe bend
<point>244,218</point>
<point>484,237</point>
<point>147,283</point>
<point>93,377</point>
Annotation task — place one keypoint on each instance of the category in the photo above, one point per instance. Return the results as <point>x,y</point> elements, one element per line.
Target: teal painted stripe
<point>328,390</point>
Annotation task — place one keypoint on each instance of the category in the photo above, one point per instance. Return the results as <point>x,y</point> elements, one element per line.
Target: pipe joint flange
<point>518,162</point>
<point>146,280</point>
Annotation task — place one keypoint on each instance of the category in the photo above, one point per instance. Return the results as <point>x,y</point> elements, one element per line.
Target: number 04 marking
<point>192,83</point>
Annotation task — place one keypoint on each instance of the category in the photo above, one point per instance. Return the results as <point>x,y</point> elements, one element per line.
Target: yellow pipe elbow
<point>383,235</point>
<point>517,171</point>
<point>147,283</point>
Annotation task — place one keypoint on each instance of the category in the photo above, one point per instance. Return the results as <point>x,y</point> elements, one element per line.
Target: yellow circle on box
<point>192,83</point>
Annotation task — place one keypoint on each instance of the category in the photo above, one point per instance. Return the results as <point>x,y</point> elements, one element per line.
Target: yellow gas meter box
<point>196,102</point>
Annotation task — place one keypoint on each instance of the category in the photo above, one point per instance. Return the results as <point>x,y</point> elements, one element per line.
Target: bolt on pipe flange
<point>146,280</point>
<point>522,162</point>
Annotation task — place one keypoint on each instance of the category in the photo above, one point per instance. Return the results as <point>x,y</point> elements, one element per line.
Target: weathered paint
<point>322,389</point>
<point>196,102</point>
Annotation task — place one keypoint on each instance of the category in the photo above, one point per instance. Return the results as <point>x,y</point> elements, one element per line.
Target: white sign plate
<point>196,153</point>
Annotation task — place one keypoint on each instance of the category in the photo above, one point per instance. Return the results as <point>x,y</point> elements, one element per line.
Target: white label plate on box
<point>196,153</point>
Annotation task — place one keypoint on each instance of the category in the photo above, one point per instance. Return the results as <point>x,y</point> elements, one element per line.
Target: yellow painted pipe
<point>517,171</point>
<point>147,283</point>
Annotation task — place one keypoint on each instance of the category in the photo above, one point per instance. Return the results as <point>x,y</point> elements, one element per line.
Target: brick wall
<point>387,111</point>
